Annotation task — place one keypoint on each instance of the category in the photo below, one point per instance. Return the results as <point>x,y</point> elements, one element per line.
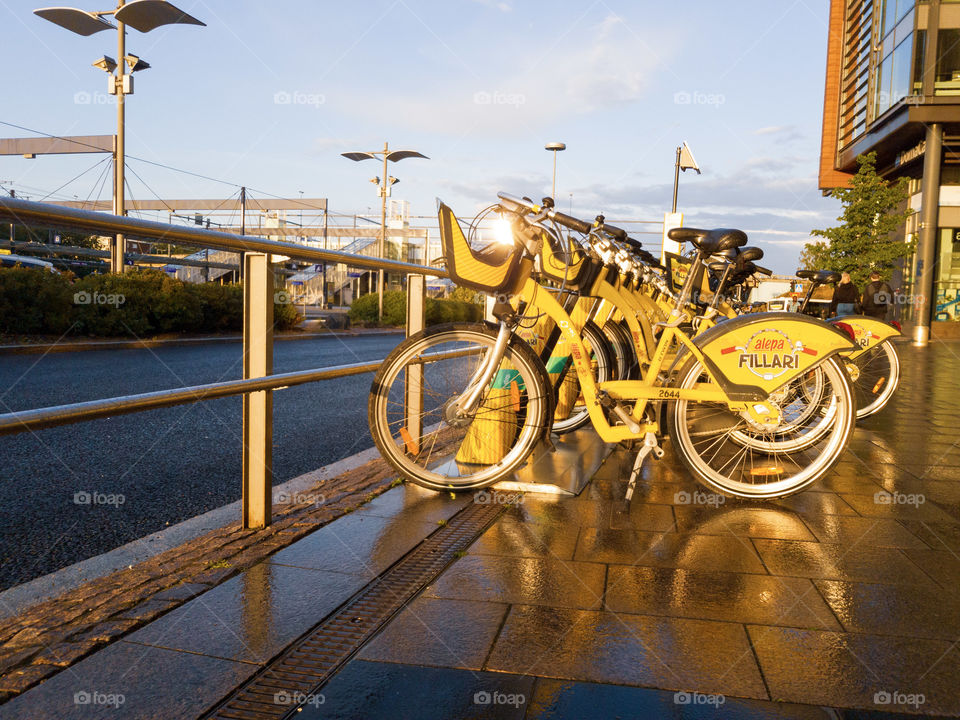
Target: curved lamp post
<point>383,184</point>
<point>142,15</point>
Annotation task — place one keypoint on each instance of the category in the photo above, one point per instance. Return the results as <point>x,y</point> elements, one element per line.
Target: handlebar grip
<point>763,270</point>
<point>635,244</point>
<point>570,222</point>
<point>618,233</point>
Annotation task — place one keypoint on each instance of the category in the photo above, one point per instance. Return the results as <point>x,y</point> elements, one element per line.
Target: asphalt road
<point>168,465</point>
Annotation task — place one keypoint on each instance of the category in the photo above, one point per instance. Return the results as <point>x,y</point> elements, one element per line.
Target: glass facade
<point>893,77</point>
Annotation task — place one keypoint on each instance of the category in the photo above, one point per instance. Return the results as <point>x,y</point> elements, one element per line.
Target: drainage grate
<point>303,667</point>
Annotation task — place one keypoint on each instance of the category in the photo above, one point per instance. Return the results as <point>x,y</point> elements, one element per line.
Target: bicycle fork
<point>467,403</point>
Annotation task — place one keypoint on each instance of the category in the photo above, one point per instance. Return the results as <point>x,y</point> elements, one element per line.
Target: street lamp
<point>555,148</point>
<point>142,15</point>
<point>383,184</point>
<point>685,162</point>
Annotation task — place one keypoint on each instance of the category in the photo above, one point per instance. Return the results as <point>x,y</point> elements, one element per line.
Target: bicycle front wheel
<point>731,454</point>
<point>412,408</point>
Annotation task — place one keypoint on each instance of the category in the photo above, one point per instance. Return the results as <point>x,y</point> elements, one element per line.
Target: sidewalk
<point>841,601</point>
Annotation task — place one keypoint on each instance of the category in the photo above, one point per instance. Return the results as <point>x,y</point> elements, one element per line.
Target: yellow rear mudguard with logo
<point>868,331</point>
<point>753,355</point>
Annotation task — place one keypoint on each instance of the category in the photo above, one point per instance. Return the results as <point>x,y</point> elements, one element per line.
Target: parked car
<point>27,262</point>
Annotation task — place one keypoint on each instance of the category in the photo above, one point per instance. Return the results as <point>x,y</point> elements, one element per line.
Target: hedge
<point>364,310</point>
<point>135,304</point>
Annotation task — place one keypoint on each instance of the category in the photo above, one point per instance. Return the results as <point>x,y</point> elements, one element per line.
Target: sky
<point>270,93</point>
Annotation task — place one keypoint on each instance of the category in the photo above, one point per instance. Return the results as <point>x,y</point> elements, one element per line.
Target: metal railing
<point>258,382</point>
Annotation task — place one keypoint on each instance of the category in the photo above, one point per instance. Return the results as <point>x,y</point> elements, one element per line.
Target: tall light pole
<point>383,190</point>
<point>142,15</point>
<point>554,148</point>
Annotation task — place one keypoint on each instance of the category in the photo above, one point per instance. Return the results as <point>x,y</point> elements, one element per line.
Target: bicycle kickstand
<point>650,444</point>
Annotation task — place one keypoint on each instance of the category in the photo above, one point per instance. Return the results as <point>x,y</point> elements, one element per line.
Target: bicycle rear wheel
<point>412,415</point>
<point>570,401</point>
<point>876,375</point>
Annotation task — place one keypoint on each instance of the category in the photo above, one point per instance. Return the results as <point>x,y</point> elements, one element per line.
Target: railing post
<point>257,406</point>
<point>413,399</point>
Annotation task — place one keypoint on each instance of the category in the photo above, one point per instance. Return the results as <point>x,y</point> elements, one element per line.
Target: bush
<point>437,311</point>
<point>134,304</point>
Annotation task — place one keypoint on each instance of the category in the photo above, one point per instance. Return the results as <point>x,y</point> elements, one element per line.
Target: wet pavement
<point>842,601</point>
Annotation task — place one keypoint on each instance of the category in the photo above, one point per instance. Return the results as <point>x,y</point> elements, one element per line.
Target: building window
<point>948,62</point>
<point>948,276</point>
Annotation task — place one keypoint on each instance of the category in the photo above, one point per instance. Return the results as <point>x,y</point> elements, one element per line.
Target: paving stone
<point>154,683</point>
<point>509,536</point>
<point>443,632</point>
<point>763,522</point>
<point>386,691</point>
<point>695,552</point>
<point>253,616</point>
<point>12,658</point>
<point>860,671</point>
<point>942,566</point>
<point>912,611</point>
<point>669,653</point>
<point>19,680</point>
<point>566,699</point>
<point>148,610</point>
<point>733,597</point>
<point>543,581</point>
<point>868,505</point>
<point>816,503</point>
<point>214,576</point>
<point>182,591</point>
<point>867,531</point>
<point>66,653</point>
<point>106,631</point>
<point>831,561</point>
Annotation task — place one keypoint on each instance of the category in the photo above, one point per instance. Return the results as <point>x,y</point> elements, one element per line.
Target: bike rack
<point>258,380</point>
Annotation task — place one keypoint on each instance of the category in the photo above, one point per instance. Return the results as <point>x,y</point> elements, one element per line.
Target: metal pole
<point>243,224</point>
<point>323,292</point>
<point>119,245</point>
<point>416,294</point>
<point>676,180</point>
<point>257,406</point>
<point>383,233</point>
<point>553,189</point>
<point>929,226</point>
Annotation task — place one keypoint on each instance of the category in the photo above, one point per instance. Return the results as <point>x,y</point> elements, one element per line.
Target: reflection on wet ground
<point>843,596</point>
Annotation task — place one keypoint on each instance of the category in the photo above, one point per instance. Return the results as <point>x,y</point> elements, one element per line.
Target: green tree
<point>873,210</point>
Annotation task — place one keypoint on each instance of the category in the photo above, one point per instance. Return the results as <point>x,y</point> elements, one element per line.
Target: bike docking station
<point>560,465</point>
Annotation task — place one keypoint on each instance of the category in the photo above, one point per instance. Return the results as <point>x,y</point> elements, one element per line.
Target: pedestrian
<point>877,297</point>
<point>846,297</point>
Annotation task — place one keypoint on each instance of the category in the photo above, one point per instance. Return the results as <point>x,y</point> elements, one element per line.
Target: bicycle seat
<point>749,254</point>
<point>820,277</point>
<point>710,241</point>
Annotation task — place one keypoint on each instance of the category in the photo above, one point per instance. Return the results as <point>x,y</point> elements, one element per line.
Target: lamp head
<point>106,63</point>
<point>135,63</point>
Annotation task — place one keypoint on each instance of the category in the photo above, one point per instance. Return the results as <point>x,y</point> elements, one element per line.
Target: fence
<point>258,380</point>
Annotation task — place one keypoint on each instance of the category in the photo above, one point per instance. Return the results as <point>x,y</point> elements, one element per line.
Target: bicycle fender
<point>868,331</point>
<point>755,354</point>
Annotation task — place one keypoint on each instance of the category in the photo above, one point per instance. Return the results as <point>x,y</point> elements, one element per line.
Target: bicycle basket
<point>491,269</point>
<point>562,266</point>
